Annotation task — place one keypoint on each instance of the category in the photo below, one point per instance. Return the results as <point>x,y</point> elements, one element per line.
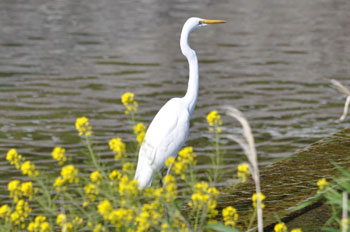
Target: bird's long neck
<point>193,82</point>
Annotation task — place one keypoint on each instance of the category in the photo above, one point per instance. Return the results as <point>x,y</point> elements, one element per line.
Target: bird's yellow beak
<point>212,21</point>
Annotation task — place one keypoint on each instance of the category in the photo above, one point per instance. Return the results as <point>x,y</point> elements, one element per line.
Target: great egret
<point>168,130</point>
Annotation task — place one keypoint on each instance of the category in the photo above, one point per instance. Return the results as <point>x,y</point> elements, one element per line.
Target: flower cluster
<point>26,167</point>
<point>14,158</point>
<point>91,189</point>
<point>105,208</point>
<point>68,175</point>
<point>170,188</point>
<point>115,175</point>
<point>83,127</point>
<point>322,184</point>
<point>5,211</point>
<point>117,217</point>
<point>39,225</point>
<point>140,132</point>
<point>129,102</point>
<point>96,177</point>
<point>281,227</point>
<point>62,222</point>
<point>18,217</point>
<point>185,160</point>
<point>150,215</point>
<point>202,196</point>
<point>129,168</point>
<point>214,121</point>
<point>230,216</point>
<point>118,147</point>
<point>91,192</point>
<point>255,199</point>
<point>18,190</point>
<point>128,188</point>
<point>243,172</point>
<point>58,154</point>
<point>99,228</point>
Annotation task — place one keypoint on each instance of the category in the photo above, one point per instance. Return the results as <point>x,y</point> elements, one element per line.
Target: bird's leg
<point>167,173</point>
<point>163,184</point>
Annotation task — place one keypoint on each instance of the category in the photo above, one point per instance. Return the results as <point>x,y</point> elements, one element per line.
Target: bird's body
<point>168,130</point>
<point>166,136</point>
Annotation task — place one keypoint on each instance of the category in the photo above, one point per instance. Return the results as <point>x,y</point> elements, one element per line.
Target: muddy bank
<point>288,182</point>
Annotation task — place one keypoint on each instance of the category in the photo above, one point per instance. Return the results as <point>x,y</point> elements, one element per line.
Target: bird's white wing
<point>165,136</point>
<point>166,133</point>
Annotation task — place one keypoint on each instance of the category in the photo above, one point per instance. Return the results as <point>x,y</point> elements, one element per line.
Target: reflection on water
<point>64,59</point>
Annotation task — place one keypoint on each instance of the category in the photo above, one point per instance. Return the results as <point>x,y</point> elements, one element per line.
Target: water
<point>64,59</point>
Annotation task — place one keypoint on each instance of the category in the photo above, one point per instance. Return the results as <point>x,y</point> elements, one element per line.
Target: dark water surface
<point>64,59</point>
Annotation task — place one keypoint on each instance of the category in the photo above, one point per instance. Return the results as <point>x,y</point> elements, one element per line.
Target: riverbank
<point>289,182</point>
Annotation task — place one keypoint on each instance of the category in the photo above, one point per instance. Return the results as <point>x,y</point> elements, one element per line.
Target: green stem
<point>93,158</point>
<point>251,221</point>
<point>46,193</point>
<point>196,221</point>
<point>218,158</point>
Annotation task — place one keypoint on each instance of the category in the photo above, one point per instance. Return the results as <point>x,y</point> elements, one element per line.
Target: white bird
<point>168,130</point>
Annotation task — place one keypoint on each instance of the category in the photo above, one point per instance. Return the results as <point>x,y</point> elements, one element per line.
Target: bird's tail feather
<point>144,175</point>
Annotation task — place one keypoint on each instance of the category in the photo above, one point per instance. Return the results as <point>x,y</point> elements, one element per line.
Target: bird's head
<point>194,22</point>
<point>190,25</point>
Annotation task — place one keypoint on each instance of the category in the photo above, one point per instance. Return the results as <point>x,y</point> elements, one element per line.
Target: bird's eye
<point>200,22</point>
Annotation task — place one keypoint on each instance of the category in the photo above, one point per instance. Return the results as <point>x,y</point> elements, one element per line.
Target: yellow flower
<point>58,154</point>
<point>255,198</point>
<point>296,230</point>
<point>203,195</point>
<point>322,184</point>
<point>78,220</point>
<point>59,184</point>
<point>280,227</point>
<point>120,217</point>
<point>242,172</point>
<point>96,177</point>
<point>185,160</point>
<point>27,189</point>
<point>151,215</point>
<point>128,188</point>
<point>128,167</point>
<point>62,222</point>
<point>230,216</point>
<point>61,218</point>
<point>29,169</point>
<point>83,127</point>
<point>91,191</point>
<point>214,121</point>
<point>165,227</point>
<point>18,217</point>
<point>45,227</point>
<point>115,175</point>
<point>14,158</point>
<point>140,132</point>
<point>170,189</point>
<point>39,225</point>
<point>15,190</point>
<point>68,175</point>
<point>5,211</point>
<point>118,147</point>
<point>99,228</point>
<point>105,208</point>
<point>129,102</point>
<point>170,161</point>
